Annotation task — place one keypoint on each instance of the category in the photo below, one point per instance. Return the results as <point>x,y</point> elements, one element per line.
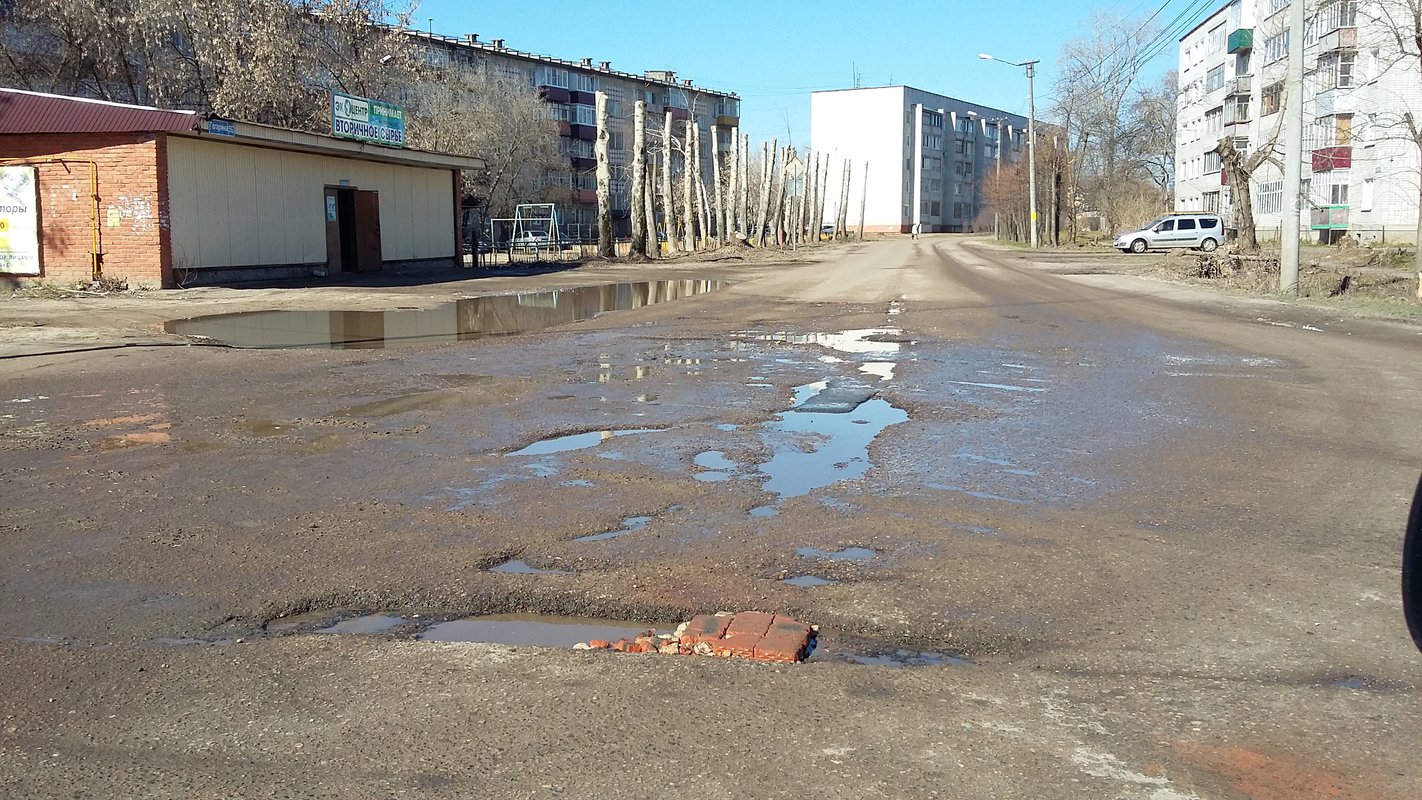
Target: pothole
<point>531,629</point>
<point>809,581</point>
<point>577,441</point>
<point>845,554</point>
<point>629,525</point>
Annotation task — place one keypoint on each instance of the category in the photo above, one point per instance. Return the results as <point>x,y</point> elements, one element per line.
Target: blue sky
<point>774,55</point>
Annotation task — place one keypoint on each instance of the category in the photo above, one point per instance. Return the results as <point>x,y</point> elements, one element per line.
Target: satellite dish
<point>1412,569</point>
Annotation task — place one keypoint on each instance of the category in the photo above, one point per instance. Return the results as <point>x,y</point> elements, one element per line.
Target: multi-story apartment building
<point>1360,176</point>
<point>569,88</point>
<point>927,154</point>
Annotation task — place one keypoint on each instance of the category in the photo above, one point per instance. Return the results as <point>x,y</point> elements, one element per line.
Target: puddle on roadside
<point>262,428</point>
<point>809,581</point>
<point>813,450</point>
<point>517,567</point>
<point>629,525</point>
<point>576,441</point>
<point>907,658</point>
<point>367,624</point>
<point>764,512</point>
<point>463,320</point>
<point>864,340</point>
<point>846,554</point>
<point>533,629</point>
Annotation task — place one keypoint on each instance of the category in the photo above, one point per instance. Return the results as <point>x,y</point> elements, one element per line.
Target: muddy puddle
<point>516,567</point>
<point>846,554</point>
<point>629,525</point>
<point>576,441</point>
<point>463,320</point>
<point>809,581</point>
<point>815,449</point>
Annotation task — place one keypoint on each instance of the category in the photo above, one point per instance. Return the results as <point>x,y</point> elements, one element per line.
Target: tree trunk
<point>700,178</point>
<point>668,201</point>
<point>654,244</point>
<point>733,190</point>
<point>823,198</point>
<point>807,192</point>
<point>604,182</point>
<point>841,219</point>
<point>1237,172</point>
<point>718,198</point>
<point>743,189</point>
<point>863,199</point>
<point>777,198</point>
<point>767,175</point>
<point>638,191</point>
<point>688,192</point>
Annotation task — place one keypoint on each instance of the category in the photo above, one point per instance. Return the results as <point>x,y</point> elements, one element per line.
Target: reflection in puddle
<point>629,525</point>
<point>532,629</point>
<point>847,554</point>
<point>866,340</point>
<point>814,450</point>
<point>370,623</point>
<point>464,320</point>
<point>809,581</point>
<point>1002,386</point>
<point>764,512</point>
<point>523,568</point>
<point>576,441</point>
<point>884,370</point>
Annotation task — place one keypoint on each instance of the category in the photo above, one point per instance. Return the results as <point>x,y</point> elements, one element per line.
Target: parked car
<point>528,240</point>
<point>1201,231</point>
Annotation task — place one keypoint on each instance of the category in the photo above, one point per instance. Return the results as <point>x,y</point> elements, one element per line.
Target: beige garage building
<point>170,198</point>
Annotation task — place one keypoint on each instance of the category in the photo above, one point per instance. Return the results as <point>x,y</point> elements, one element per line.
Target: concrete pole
<point>997,178</point>
<point>863,199</point>
<point>1293,153</point>
<point>1032,152</point>
<point>916,218</point>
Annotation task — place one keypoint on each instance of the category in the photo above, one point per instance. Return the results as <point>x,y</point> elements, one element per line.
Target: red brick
<point>783,647</point>
<point>598,644</point>
<point>708,625</point>
<point>755,622</point>
<point>737,645</point>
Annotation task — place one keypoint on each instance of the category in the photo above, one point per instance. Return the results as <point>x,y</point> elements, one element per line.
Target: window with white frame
<point>1275,6</point>
<point>1276,47</point>
<point>1335,15</point>
<point>1217,39</point>
<point>1211,201</point>
<point>1215,78</point>
<point>1214,121</point>
<point>965,124</point>
<point>1337,69</point>
<point>932,119</point>
<point>1271,99</point>
<point>1212,162</point>
<point>1271,197</point>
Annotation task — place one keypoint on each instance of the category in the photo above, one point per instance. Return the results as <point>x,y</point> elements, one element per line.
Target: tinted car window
<point>1209,222</point>
<point>1187,224</point>
<point>1168,225</point>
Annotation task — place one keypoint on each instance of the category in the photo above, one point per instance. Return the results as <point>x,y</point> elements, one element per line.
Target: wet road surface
<point>1123,540</point>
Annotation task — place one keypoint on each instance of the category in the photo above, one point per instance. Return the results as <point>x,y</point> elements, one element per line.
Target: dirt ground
<point>1130,538</point>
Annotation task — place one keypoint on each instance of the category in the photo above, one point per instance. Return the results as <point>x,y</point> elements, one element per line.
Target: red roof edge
<point>36,112</point>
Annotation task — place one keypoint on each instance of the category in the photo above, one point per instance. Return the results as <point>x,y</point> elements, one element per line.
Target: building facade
<point>1360,174</point>
<point>570,88</point>
<point>171,198</point>
<point>925,155</point>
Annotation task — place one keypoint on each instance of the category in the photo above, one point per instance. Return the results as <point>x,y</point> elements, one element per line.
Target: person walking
<point>915,229</point>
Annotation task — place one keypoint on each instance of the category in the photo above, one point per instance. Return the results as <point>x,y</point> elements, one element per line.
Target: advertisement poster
<point>19,221</point>
<point>367,120</point>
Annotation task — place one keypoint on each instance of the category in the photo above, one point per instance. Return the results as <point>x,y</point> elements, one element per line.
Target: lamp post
<point>997,123</point>
<point>1031,140</point>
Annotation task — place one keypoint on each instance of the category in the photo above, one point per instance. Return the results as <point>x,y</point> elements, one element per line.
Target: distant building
<point>569,88</point>
<point>173,198</point>
<point>927,154</point>
<point>1360,178</point>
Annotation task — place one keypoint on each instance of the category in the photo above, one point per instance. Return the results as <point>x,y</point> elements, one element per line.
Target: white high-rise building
<point>1360,173</point>
<point>926,155</point>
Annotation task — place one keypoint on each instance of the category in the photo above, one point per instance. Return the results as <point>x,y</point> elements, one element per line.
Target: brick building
<point>171,198</point>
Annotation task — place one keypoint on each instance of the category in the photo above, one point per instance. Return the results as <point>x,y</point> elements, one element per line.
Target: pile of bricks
<point>754,635</point>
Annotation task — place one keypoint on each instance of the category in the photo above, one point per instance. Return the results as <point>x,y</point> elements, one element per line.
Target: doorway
<point>352,230</point>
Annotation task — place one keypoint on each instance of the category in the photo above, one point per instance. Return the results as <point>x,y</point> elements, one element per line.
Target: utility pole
<point>1031,138</point>
<point>1293,153</point>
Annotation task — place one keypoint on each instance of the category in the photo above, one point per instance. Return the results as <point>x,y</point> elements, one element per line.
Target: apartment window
<point>616,140</point>
<point>584,83</point>
<point>990,131</point>
<point>1271,197</point>
<point>1239,110</point>
<point>1343,129</point>
<point>1212,163</point>
<point>1272,98</point>
<point>935,209</point>
<point>1211,201</point>
<point>1337,14</point>
<point>1214,121</point>
<point>933,141</point>
<point>932,119</point>
<point>551,76</point>
<point>1241,64</point>
<point>1275,6</point>
<point>1217,39</point>
<point>962,168</point>
<point>1338,69</point>
<point>1276,47</point>
<point>1214,79</point>
<point>932,163</point>
<point>962,210</point>
<point>965,125</point>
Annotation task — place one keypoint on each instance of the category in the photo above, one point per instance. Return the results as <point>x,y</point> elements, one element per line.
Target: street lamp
<point>997,123</point>
<point>1031,140</point>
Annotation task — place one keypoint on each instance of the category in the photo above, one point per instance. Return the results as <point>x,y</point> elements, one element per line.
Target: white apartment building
<point>1360,176</point>
<point>569,88</point>
<point>926,154</point>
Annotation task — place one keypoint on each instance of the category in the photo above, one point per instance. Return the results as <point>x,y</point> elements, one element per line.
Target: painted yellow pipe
<point>96,256</point>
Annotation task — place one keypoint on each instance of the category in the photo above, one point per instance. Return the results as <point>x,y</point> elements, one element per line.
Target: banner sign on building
<point>19,221</point>
<point>367,120</point>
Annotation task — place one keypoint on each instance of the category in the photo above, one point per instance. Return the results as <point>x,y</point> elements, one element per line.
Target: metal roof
<point>35,112</point>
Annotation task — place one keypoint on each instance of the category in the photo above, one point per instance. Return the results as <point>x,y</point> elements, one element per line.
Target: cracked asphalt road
<point>1163,525</point>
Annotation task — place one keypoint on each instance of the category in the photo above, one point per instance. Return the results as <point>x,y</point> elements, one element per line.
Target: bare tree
<point>638,189</point>
<point>1401,54</point>
<point>767,173</point>
<point>604,180</point>
<point>668,202</point>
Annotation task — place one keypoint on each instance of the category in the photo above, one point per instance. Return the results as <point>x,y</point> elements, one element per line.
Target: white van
<point>1203,231</point>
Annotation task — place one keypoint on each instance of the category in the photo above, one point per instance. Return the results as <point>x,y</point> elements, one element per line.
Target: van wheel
<point>1209,245</point>
<point>1138,246</point>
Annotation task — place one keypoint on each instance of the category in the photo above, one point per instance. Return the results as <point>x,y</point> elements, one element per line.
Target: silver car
<point>1202,231</point>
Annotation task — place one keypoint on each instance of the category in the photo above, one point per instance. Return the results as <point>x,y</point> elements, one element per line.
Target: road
<point>1146,536</point>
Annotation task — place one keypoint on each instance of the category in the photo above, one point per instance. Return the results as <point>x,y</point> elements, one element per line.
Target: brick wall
<point>132,205</point>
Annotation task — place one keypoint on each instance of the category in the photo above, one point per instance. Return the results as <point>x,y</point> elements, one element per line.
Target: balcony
<point>1329,218</point>
<point>585,196</point>
<point>554,94</point>
<point>1239,84</point>
<point>1241,41</point>
<point>587,133</point>
<point>1338,39</point>
<point>727,120</point>
<point>582,164</point>
<point>1339,156</point>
